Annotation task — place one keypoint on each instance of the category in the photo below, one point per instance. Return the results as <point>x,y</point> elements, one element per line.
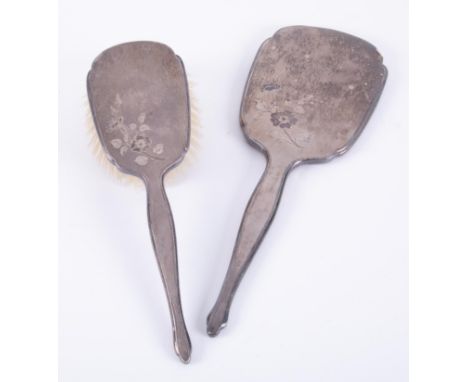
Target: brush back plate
<point>140,104</point>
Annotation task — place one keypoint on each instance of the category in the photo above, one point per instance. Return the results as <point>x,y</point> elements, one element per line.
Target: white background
<point>326,298</point>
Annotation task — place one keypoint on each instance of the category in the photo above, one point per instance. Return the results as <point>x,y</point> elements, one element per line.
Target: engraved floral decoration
<point>140,143</point>
<point>133,136</point>
<point>283,119</point>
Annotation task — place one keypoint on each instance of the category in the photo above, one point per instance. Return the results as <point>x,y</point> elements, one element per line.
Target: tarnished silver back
<point>140,104</point>
<point>310,92</point>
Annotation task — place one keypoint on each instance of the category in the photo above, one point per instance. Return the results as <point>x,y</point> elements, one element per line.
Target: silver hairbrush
<point>140,105</point>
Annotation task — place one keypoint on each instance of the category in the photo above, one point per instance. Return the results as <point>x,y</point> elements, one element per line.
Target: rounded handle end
<point>183,346</point>
<point>216,321</point>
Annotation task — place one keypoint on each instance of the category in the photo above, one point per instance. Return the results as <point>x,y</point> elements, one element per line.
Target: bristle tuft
<point>101,157</point>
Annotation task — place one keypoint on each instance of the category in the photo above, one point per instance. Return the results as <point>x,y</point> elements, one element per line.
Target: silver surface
<point>309,94</point>
<point>140,104</point>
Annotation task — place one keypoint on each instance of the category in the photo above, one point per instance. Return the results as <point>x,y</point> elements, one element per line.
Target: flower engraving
<point>140,143</point>
<point>283,119</point>
<point>132,136</point>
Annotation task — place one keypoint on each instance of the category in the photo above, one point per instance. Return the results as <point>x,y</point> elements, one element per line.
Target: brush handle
<point>255,223</point>
<point>163,237</point>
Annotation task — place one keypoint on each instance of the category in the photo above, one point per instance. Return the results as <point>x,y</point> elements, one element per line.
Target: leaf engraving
<point>141,160</point>
<point>158,148</point>
<point>117,143</point>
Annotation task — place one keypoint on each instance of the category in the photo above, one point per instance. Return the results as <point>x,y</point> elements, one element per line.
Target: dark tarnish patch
<point>270,87</point>
<point>284,119</point>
